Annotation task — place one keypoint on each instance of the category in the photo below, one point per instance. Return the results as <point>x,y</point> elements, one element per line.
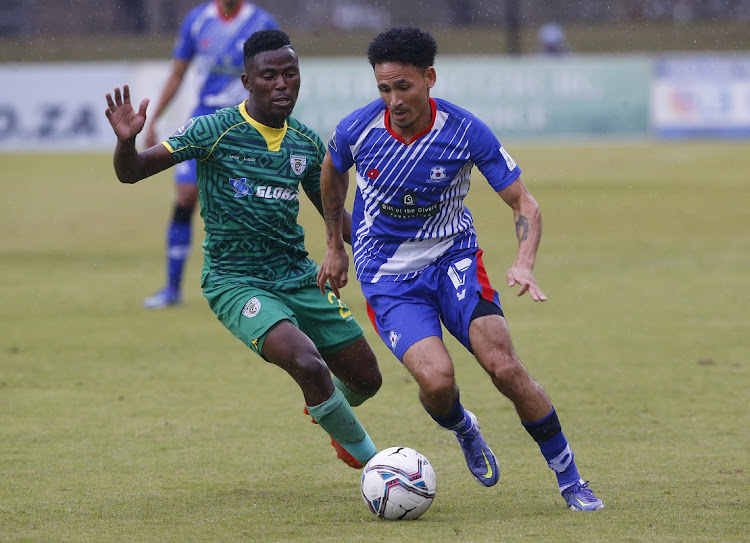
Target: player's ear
<point>430,76</point>
<point>246,82</point>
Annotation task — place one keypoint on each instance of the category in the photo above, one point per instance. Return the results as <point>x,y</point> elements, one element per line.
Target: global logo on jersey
<point>437,173</point>
<point>372,173</point>
<point>298,163</point>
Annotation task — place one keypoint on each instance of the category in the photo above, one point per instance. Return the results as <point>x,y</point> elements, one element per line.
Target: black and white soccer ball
<point>398,483</point>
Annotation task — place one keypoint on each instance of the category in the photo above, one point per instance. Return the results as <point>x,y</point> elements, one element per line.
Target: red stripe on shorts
<point>371,314</point>
<point>488,293</point>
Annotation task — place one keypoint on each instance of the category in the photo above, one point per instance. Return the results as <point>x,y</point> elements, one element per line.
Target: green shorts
<point>250,313</point>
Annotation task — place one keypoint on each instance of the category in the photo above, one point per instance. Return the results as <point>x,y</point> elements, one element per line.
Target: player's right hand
<point>335,270</point>
<point>125,122</point>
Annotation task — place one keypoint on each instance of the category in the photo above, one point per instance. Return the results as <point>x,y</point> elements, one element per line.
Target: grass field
<point>118,424</point>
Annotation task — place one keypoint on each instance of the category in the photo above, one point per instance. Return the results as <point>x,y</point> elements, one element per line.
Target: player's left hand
<point>126,122</point>
<point>335,270</point>
<point>524,277</point>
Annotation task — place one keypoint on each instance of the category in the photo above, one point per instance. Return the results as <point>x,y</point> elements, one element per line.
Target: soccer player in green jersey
<point>257,277</point>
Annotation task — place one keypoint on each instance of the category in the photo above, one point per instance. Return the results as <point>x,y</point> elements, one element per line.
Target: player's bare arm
<point>346,232</point>
<point>528,222</point>
<point>130,165</point>
<point>335,265</point>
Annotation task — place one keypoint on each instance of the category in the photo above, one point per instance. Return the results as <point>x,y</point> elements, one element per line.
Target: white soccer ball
<point>398,483</point>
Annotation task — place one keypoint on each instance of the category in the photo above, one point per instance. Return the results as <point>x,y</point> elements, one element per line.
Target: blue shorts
<point>184,173</point>
<point>448,291</point>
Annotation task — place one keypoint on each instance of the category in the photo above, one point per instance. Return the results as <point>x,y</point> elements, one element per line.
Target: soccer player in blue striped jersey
<point>253,159</point>
<point>209,42</point>
<point>416,254</point>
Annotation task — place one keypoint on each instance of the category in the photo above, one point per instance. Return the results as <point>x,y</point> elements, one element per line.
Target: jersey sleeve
<point>491,158</point>
<point>338,148</point>
<point>311,181</point>
<point>192,140</point>
<point>185,46</point>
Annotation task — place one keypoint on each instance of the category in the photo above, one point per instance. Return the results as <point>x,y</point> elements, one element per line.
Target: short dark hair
<point>264,40</point>
<point>404,44</point>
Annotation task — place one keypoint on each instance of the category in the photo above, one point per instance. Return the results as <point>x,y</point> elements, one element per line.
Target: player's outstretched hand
<point>524,277</point>
<point>125,121</point>
<point>335,270</point>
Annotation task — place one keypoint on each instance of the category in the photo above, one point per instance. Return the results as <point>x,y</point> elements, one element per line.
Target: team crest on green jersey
<point>298,163</point>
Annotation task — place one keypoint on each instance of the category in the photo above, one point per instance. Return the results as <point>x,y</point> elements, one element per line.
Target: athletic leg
<point>492,345</point>
<point>431,366</point>
<point>290,349</point>
<point>355,371</point>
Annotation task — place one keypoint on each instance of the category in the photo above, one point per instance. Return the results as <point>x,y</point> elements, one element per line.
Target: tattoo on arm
<point>333,212</point>
<point>522,228</point>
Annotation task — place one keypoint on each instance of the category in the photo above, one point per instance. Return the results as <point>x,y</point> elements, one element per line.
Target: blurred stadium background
<point>631,68</point>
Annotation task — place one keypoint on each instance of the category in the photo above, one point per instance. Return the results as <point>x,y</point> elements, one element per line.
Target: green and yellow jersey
<point>249,179</point>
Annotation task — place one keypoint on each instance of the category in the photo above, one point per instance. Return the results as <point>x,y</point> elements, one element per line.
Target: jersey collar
<point>273,136</point>
<point>433,113</point>
<point>230,16</point>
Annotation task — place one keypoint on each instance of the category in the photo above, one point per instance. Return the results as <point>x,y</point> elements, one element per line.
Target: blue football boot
<point>579,497</point>
<point>479,457</point>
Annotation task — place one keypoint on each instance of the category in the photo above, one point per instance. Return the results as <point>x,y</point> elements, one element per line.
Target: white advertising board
<point>60,107</point>
<point>701,96</point>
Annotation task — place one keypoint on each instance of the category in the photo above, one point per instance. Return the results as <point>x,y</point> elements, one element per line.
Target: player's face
<point>405,89</point>
<point>272,79</point>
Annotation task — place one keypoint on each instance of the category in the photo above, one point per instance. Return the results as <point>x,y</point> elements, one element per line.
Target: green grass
<point>118,424</point>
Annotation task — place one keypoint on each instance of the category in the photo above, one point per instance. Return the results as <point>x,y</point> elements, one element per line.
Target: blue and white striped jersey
<point>409,206</point>
<point>213,44</point>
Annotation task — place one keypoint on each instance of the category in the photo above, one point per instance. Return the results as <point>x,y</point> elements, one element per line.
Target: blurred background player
<point>210,39</point>
<point>551,38</point>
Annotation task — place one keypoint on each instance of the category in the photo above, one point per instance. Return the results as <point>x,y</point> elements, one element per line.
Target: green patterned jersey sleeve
<point>194,139</point>
<point>311,180</point>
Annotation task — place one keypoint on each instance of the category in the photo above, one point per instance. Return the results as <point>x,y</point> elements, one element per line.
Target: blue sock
<point>179,235</point>
<point>456,420</point>
<point>547,432</point>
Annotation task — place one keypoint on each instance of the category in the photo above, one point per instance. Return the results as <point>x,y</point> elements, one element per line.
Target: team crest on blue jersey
<point>240,186</point>
<point>298,163</point>
<point>183,128</point>
<point>437,173</point>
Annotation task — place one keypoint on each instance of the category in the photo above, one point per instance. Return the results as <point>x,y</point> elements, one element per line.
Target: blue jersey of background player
<point>416,253</point>
<point>210,40</point>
